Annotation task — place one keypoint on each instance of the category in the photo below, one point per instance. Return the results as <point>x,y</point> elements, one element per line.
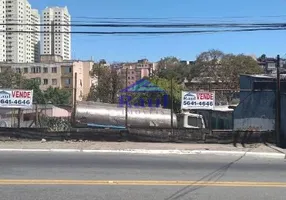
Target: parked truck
<point>103,115</point>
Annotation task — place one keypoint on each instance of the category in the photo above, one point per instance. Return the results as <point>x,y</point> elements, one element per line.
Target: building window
<point>46,81</point>
<point>18,70</point>
<point>35,70</point>
<point>54,70</point>
<point>37,80</point>
<point>67,81</point>
<point>54,81</point>
<point>45,70</point>
<point>68,70</point>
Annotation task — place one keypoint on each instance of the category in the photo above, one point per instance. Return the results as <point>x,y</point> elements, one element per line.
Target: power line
<point>168,18</point>
<point>180,25</point>
<point>146,32</point>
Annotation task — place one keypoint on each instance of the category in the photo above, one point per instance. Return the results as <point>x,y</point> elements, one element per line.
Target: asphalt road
<point>73,176</point>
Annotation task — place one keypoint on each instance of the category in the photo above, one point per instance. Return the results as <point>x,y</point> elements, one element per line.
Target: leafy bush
<point>55,124</point>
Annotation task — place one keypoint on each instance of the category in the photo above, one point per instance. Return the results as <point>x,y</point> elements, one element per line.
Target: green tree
<point>109,83</point>
<point>10,79</point>
<point>232,66</point>
<point>164,84</point>
<point>92,93</point>
<point>102,89</point>
<point>166,63</point>
<point>172,67</point>
<point>38,95</point>
<point>207,66</point>
<point>223,69</point>
<point>262,58</point>
<point>58,96</point>
<point>116,85</point>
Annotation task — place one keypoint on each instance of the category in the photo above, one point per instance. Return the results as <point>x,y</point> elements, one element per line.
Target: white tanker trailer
<point>103,115</point>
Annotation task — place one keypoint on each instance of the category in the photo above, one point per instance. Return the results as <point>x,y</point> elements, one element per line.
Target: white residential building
<point>35,19</point>
<point>2,28</point>
<point>19,46</point>
<point>57,39</point>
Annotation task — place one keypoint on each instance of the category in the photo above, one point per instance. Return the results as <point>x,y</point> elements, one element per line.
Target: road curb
<point>158,152</point>
<point>277,149</point>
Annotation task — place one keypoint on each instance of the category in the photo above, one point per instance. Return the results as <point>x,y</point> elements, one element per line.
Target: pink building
<point>136,71</point>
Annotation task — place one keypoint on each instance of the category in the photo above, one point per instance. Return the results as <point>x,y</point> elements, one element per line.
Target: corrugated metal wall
<point>256,110</point>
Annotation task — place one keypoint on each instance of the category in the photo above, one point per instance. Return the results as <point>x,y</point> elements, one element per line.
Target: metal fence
<point>44,115</point>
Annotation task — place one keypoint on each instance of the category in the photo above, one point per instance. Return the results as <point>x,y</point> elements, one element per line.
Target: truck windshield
<point>195,121</point>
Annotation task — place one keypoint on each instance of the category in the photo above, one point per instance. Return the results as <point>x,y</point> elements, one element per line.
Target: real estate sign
<point>198,100</point>
<point>10,98</point>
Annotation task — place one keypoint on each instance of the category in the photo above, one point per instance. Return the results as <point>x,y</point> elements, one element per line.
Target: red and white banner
<point>16,98</point>
<point>198,100</point>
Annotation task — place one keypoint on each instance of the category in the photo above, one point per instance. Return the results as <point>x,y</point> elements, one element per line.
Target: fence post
<point>37,116</point>
<point>19,117</point>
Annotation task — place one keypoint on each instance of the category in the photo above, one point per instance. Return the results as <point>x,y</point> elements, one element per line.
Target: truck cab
<point>190,120</point>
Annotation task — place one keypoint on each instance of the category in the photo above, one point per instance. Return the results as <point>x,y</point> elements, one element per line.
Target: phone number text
<point>197,103</point>
<point>13,102</point>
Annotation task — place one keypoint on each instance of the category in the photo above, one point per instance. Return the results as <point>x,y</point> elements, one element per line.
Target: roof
<point>265,76</point>
<point>260,76</point>
<point>224,108</point>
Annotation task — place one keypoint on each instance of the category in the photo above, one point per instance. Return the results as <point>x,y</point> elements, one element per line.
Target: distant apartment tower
<point>56,39</point>
<point>19,45</point>
<point>35,37</point>
<point>2,31</point>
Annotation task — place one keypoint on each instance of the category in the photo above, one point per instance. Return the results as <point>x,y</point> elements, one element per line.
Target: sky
<point>114,48</point>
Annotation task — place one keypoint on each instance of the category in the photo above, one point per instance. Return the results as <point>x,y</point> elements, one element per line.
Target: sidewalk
<point>130,145</point>
<point>145,148</point>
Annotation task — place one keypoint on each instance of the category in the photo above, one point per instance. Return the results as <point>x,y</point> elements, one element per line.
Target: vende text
<point>205,96</point>
<point>21,94</point>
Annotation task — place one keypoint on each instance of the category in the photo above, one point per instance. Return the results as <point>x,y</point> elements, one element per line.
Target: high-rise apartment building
<point>35,37</point>
<point>2,28</point>
<point>56,39</point>
<point>20,46</point>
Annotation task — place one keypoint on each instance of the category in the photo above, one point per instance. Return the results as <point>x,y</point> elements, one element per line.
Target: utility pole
<point>210,113</point>
<point>19,109</point>
<point>278,103</point>
<point>172,107</point>
<point>74,99</point>
<point>126,99</point>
